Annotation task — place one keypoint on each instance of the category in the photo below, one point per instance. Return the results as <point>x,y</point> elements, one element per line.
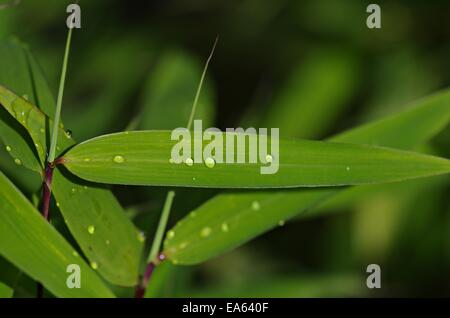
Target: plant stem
<point>199,88</point>
<point>54,139</point>
<point>161,227</point>
<point>153,258</point>
<point>50,163</point>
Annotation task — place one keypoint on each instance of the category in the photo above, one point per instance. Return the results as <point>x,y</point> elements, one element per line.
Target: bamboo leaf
<point>100,226</point>
<point>142,158</point>
<point>21,71</point>
<point>34,246</point>
<point>35,122</point>
<point>235,218</point>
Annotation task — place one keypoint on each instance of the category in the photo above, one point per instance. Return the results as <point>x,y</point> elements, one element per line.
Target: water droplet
<point>209,162</point>
<point>224,227</point>
<point>17,161</point>
<point>269,158</point>
<point>171,160</point>
<point>255,205</point>
<point>281,223</point>
<point>189,162</point>
<point>348,168</point>
<point>193,179</point>
<point>42,130</point>
<point>170,234</point>
<point>36,145</point>
<point>87,159</point>
<point>107,242</point>
<point>126,132</point>
<point>119,159</point>
<point>205,232</point>
<point>94,265</point>
<point>57,204</point>
<point>91,229</point>
<point>74,253</point>
<point>8,149</point>
<point>68,133</point>
<point>74,190</point>
<point>85,187</point>
<point>141,237</point>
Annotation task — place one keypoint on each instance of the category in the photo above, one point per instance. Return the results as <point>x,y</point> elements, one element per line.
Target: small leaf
<point>235,218</point>
<point>142,158</point>
<point>33,245</point>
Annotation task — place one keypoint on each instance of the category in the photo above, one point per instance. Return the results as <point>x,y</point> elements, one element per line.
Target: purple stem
<point>45,209</point>
<point>142,286</point>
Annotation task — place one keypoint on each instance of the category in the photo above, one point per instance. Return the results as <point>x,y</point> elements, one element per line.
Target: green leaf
<point>20,71</point>
<point>100,226</point>
<point>5,291</point>
<point>235,218</point>
<point>89,205</point>
<point>142,158</point>
<point>33,245</point>
<point>35,122</point>
<point>170,90</point>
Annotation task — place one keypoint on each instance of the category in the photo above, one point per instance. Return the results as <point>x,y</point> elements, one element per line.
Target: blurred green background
<point>312,68</point>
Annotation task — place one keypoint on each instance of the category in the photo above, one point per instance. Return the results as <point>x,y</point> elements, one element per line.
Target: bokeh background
<point>312,68</point>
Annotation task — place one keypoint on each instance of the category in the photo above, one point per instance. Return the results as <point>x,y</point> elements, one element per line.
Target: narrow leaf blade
<point>33,245</point>
<point>142,158</point>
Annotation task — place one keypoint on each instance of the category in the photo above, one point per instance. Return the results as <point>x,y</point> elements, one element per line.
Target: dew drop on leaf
<point>94,265</point>
<point>68,133</point>
<point>17,161</point>
<point>255,205</point>
<point>170,234</point>
<point>205,232</point>
<point>189,162</point>
<point>91,229</point>
<point>74,253</point>
<point>209,162</point>
<point>281,223</point>
<point>119,159</point>
<point>348,168</point>
<point>224,227</point>
<point>8,149</point>
<point>141,237</point>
